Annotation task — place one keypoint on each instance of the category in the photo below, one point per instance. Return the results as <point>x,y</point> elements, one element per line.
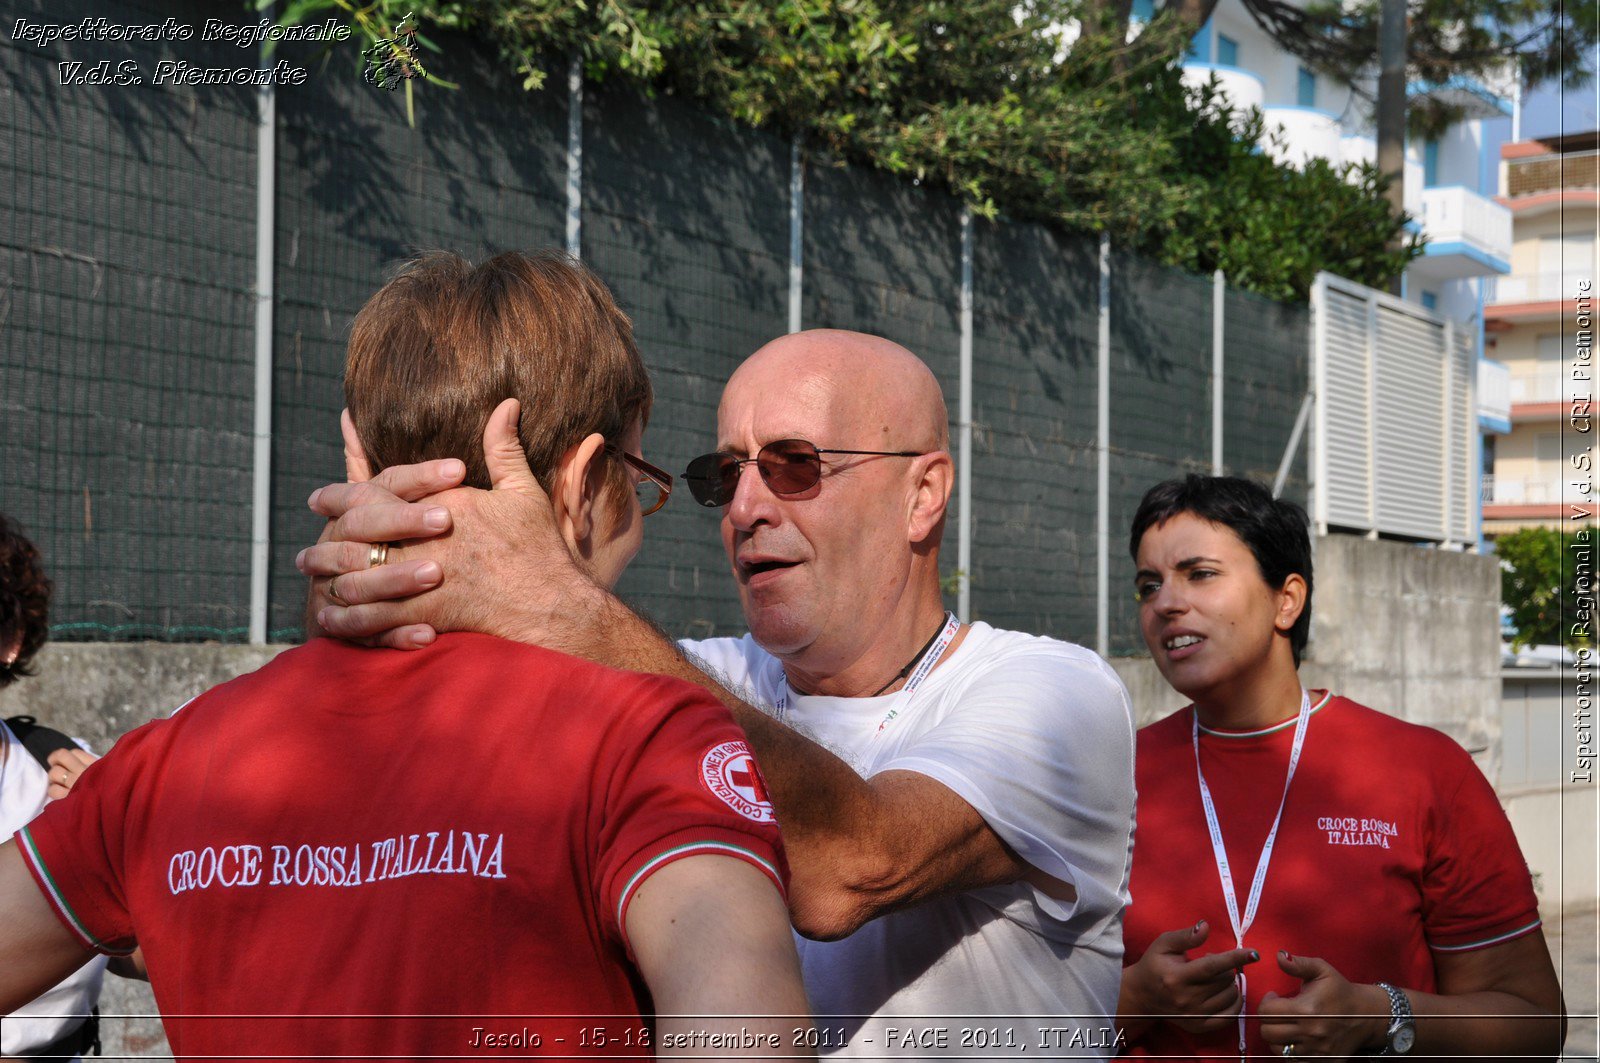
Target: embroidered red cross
<point>750,781</point>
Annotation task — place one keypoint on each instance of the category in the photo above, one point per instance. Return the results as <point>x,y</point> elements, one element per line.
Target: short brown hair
<point>24,601</point>
<point>443,343</point>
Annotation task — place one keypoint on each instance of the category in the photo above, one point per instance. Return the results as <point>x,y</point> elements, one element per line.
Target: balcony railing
<point>1503,491</point>
<point>1303,134</point>
<point>1549,173</point>
<point>1457,215</point>
<point>1541,383</point>
<point>1241,88</point>
<point>1537,287</point>
<point>1494,390</point>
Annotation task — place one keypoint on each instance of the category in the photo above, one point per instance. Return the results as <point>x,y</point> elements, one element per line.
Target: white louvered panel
<point>1411,446</point>
<point>1464,428</point>
<point>1349,406</point>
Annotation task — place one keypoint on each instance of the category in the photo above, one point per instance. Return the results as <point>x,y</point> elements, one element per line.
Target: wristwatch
<point>1402,1028</point>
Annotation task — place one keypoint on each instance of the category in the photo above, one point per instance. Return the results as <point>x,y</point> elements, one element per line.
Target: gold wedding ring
<point>333,592</point>
<point>377,555</point>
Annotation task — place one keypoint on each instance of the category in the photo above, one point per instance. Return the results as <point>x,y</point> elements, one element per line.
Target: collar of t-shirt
<point>846,725</point>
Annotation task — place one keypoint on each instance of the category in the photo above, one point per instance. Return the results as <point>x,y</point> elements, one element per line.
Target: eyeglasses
<point>787,466</point>
<point>653,486</point>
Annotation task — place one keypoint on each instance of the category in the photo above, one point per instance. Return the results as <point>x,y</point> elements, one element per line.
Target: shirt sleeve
<point>1041,745</point>
<point>681,782</point>
<point>74,848</point>
<point>1476,889</point>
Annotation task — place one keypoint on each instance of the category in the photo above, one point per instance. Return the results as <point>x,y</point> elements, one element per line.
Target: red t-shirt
<point>1392,845</point>
<point>451,836</point>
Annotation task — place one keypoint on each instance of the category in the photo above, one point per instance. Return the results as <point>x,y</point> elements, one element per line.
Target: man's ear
<point>1291,602</point>
<point>932,495</point>
<point>575,488</point>
<point>356,467</point>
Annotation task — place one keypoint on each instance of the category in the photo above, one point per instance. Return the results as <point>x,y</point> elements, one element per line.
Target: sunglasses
<point>652,486</point>
<point>787,466</point>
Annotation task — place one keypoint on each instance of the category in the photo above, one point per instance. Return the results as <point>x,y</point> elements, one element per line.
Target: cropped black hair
<point>1274,530</point>
<point>24,601</point>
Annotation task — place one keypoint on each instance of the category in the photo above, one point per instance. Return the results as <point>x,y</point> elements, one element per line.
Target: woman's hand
<point>1331,1017</point>
<point>65,767</point>
<point>1199,995</point>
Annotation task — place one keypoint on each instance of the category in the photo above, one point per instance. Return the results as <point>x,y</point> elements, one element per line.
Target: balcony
<point>1304,133</point>
<point>1551,287</point>
<point>1536,392</point>
<point>1570,172</point>
<point>1240,88</point>
<point>1494,395</point>
<point>1503,491</point>
<point>1468,235</point>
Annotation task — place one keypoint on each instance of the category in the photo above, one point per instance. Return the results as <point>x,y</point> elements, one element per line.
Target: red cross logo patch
<point>730,772</point>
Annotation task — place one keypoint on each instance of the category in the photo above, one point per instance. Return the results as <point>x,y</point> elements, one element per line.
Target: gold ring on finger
<point>377,554</point>
<point>333,591</point>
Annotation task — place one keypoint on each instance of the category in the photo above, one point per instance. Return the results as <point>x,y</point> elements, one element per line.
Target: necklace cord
<point>902,673</point>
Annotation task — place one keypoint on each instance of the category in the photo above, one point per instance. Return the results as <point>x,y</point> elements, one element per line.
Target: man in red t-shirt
<point>482,847</point>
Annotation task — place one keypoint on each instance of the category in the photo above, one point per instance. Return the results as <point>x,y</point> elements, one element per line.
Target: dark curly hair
<point>24,601</point>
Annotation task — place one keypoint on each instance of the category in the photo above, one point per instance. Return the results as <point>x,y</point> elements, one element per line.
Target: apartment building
<point>1310,115</point>
<point>1552,189</point>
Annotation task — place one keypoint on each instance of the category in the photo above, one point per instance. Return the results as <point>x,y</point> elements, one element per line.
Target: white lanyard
<point>903,695</point>
<point>1218,850</point>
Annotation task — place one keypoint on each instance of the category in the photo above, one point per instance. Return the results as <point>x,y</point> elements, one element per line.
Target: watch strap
<point>1400,1016</point>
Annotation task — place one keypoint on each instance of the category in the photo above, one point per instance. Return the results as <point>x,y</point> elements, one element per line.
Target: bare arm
<point>713,943</point>
<point>36,950</point>
<point>858,847</point>
<point>1502,1001</point>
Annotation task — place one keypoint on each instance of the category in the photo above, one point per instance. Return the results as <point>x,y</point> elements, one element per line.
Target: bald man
<point>956,800</point>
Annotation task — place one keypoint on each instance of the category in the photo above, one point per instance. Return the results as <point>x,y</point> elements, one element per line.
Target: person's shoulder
<point>1043,676</point>
<point>1175,727</point>
<point>1000,653</point>
<point>1402,740</point>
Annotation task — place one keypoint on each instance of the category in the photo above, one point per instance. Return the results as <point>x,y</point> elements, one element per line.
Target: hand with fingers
<point>457,559</point>
<point>1329,1018</point>
<point>1198,995</point>
<point>65,767</point>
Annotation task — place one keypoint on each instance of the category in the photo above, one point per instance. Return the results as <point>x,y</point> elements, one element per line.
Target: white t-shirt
<point>59,1011</point>
<point>1037,736</point>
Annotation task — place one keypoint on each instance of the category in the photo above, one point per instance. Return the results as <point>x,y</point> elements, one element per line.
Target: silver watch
<point>1402,1033</point>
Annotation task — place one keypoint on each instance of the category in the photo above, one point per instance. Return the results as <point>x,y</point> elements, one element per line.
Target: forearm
<point>1488,1023</point>
<point>824,807</point>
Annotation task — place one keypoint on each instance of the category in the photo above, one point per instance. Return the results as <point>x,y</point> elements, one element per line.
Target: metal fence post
<point>964,457</point>
<point>797,232</point>
<point>1102,576</point>
<point>1218,291</point>
<point>261,494</point>
<point>575,156</point>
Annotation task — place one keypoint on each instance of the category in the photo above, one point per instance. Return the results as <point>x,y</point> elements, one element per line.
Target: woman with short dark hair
<point>1367,859</point>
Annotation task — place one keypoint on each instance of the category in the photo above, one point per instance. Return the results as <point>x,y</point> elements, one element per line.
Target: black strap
<point>73,1045</point>
<point>37,739</point>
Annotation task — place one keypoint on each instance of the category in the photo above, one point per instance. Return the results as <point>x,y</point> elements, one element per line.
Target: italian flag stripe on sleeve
<point>47,882</point>
<point>678,852</point>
